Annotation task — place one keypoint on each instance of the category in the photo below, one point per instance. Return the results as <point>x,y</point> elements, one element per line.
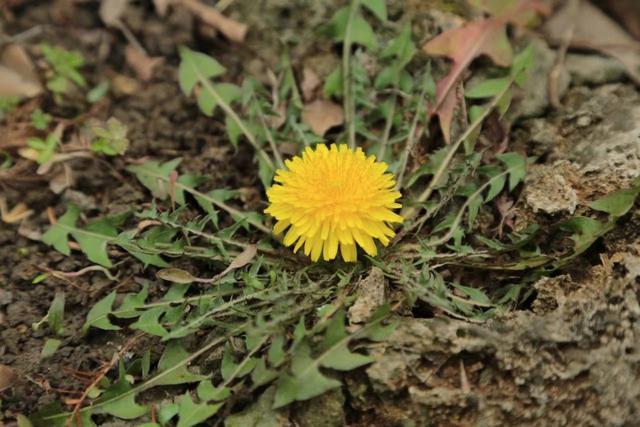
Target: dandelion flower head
<point>334,198</point>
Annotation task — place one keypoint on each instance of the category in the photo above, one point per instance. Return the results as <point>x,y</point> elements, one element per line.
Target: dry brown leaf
<point>594,30</point>
<point>244,258</point>
<point>310,82</point>
<point>161,6</point>
<point>123,85</point>
<point>111,11</point>
<point>321,115</point>
<point>17,73</point>
<point>142,64</point>
<point>232,29</point>
<point>15,214</point>
<point>7,377</point>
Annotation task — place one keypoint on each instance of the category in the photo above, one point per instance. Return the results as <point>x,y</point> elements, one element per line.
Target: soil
<point>570,357</point>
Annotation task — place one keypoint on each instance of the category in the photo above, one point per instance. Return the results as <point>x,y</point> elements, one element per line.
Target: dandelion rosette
<point>332,198</point>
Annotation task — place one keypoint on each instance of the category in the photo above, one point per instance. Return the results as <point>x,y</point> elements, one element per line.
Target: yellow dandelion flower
<point>334,197</point>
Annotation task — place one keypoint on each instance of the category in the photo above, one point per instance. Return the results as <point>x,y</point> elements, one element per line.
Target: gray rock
<point>5,297</point>
<point>593,69</point>
<point>535,99</point>
<point>607,136</point>
<point>548,189</point>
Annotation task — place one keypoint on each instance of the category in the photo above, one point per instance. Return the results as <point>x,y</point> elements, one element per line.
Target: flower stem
<point>347,89</point>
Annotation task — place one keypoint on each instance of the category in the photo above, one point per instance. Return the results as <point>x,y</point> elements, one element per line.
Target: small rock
<point>548,190</point>
<point>326,410</point>
<point>535,99</point>
<point>593,69</point>
<point>5,297</point>
<point>371,295</point>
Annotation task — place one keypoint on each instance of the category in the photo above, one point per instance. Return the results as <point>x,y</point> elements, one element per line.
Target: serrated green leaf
<point>131,302</point>
<point>336,354</point>
<point>124,407</point>
<point>585,231</point>
<point>58,236</point>
<point>305,380</point>
<point>618,203</point>
<point>149,175</point>
<point>228,92</point>
<point>173,355</point>
<point>207,392</point>
<point>262,375</point>
<point>361,31</point>
<point>259,414</point>
<point>377,7</point>
<point>193,65</point>
<point>149,322</point>
<point>276,352</point>
<point>191,413</point>
<point>517,166</point>
<point>167,412</point>
<point>98,315</point>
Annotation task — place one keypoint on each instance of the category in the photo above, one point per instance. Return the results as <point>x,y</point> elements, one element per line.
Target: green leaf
<point>333,83</point>
<point>521,64</point>
<point>167,412</point>
<point>172,356</point>
<point>131,302</point>
<point>336,353</point>
<point>361,31</point>
<point>154,176</point>
<point>377,7</point>
<point>585,231</point>
<point>207,392</point>
<point>233,130</point>
<point>191,413</point>
<point>149,322</point>
<point>57,235</point>
<point>98,315</point>
<point>258,414</point>
<point>98,92</point>
<point>517,166</point>
<point>124,407</point>
<point>488,88</point>
<point>617,203</point>
<point>49,348</point>
<point>55,315</point>
<point>305,380</point>
<point>262,375</point>
<point>194,65</point>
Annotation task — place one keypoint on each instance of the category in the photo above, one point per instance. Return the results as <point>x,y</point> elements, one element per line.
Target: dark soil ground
<point>571,356</point>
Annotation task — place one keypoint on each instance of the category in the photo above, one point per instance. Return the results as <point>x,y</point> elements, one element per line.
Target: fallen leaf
<point>17,73</point>
<point>594,30</point>
<point>111,11</point>
<point>321,115</point>
<point>161,6</point>
<point>232,29</point>
<point>62,180</point>
<point>7,377</point>
<point>310,82</point>
<point>627,12</point>
<point>15,214</point>
<point>244,258</point>
<point>176,275</point>
<point>462,45</point>
<point>142,64</point>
